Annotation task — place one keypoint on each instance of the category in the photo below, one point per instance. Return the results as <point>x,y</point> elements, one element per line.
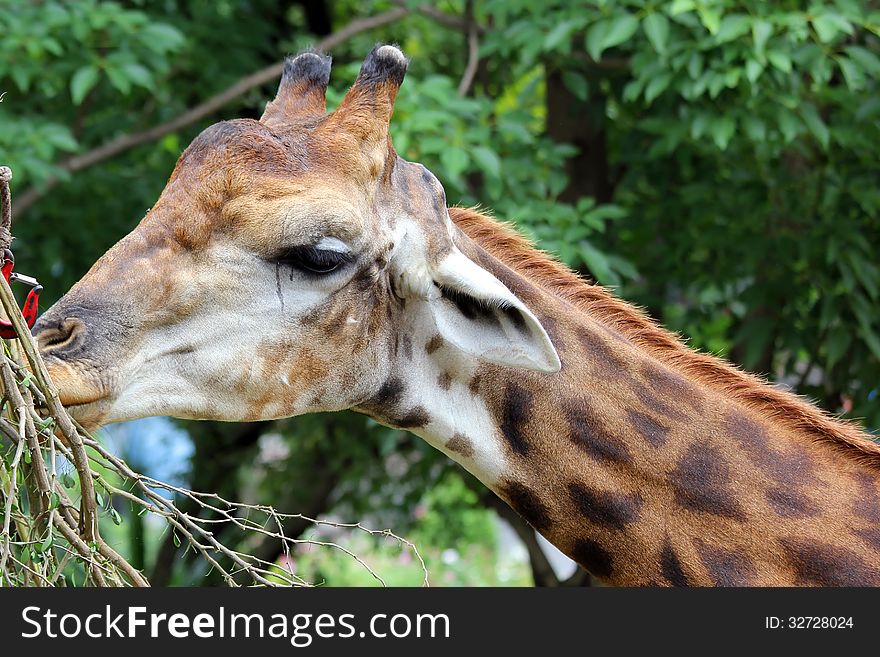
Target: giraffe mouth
<point>82,393</point>
<point>90,415</point>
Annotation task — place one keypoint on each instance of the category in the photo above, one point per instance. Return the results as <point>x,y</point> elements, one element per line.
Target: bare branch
<point>473,43</point>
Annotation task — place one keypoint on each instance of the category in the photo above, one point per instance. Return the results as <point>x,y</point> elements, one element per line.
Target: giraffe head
<point>280,269</point>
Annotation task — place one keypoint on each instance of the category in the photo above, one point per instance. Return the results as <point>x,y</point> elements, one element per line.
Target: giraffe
<point>298,264</point>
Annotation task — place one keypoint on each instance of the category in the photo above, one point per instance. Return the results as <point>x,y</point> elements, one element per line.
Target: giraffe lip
<point>89,414</point>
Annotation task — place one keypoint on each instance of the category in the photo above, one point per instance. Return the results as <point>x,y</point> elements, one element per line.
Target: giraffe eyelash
<point>312,260</point>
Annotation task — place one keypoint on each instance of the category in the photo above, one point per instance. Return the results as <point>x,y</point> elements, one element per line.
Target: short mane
<point>504,243</point>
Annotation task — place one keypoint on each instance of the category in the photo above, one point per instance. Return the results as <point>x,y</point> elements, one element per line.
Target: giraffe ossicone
<point>298,264</point>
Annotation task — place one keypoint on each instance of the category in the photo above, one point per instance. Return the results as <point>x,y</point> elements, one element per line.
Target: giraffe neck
<point>636,471</point>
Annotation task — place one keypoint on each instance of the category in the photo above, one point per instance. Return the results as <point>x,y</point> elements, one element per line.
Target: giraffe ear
<point>479,315</point>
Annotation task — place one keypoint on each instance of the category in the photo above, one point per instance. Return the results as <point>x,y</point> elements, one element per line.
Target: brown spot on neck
<point>444,380</point>
<point>791,468</point>
<point>434,344</point>
<point>515,414</point>
<point>592,556</point>
<point>605,509</point>
<point>867,505</point>
<point>671,567</point>
<point>526,502</point>
<point>701,482</point>
<point>791,503</point>
<point>672,386</point>
<point>586,431</point>
<point>460,444</point>
<point>650,429</point>
<point>599,352</point>
<point>818,564</point>
<point>726,567</point>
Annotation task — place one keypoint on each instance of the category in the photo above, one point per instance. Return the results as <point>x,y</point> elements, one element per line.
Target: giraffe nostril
<point>61,336</point>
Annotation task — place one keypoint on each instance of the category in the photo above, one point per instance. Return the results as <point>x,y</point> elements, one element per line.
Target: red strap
<point>31,304</point>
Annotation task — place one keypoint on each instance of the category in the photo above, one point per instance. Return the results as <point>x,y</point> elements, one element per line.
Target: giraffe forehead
<point>278,214</point>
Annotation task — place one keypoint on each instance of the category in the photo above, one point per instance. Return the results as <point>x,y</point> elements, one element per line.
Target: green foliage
<point>744,134</point>
<point>718,165</point>
<point>62,55</point>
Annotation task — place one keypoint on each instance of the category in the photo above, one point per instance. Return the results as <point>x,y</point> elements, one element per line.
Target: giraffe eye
<point>313,260</point>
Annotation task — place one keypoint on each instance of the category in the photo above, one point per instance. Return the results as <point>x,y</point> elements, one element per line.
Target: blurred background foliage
<point>715,161</point>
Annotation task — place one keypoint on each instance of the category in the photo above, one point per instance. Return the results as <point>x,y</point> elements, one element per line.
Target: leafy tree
<point>713,160</point>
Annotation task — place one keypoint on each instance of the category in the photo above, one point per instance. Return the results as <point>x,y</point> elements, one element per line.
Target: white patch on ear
<point>480,316</point>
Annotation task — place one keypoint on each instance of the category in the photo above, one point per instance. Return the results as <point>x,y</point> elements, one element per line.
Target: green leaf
<point>138,74</point>
<point>595,39</point>
<point>852,74</point>
<point>608,212</point>
<point>717,82</point>
<point>114,514</point>
<point>871,340</point>
<point>119,79</point>
<point>866,272</point>
<point>633,90</point>
<point>836,345</point>
<point>61,138</point>
<point>47,542</point>
<point>753,70</point>
<point>732,27</point>
<point>162,38</point>
<point>609,33</point>
<point>761,31</point>
<point>815,124</point>
<point>695,65</point>
<point>780,60</point>
<point>577,84</point>
<point>755,128</point>
<point>487,160</point>
<point>561,34</point>
<point>864,58</point>
<point>657,85</point>
<point>67,480</point>
<point>171,143</point>
<point>82,82</point>
<point>710,17</point>
<point>622,27</point>
<point>829,25</point>
<point>788,124</point>
<point>455,160</point>
<point>656,27</point>
<point>699,125</point>
<point>597,263</point>
<point>722,129</point>
<point>732,77</point>
<point>681,6</point>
